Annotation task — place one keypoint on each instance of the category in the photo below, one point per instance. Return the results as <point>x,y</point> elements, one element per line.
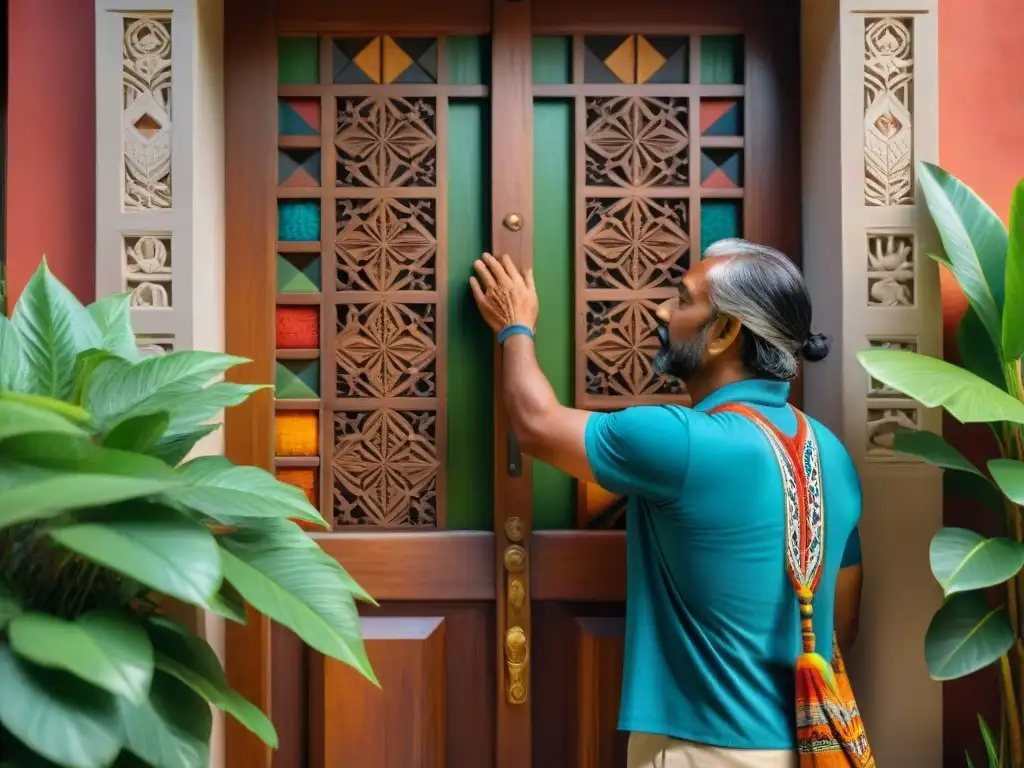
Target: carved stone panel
<point>148,270</point>
<point>891,264</point>
<point>883,422</point>
<point>888,111</point>
<point>635,141</point>
<point>146,118</point>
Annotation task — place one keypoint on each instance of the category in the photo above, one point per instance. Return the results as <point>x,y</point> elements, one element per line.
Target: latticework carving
<point>147,266</point>
<point>386,245</point>
<point>385,468</point>
<point>636,141</point>
<point>888,108</point>
<point>882,424</point>
<point>386,142</point>
<point>890,272</point>
<point>386,349</point>
<point>876,388</point>
<point>146,79</point>
<point>620,350</point>
<point>635,243</point>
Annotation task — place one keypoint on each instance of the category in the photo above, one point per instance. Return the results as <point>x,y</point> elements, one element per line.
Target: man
<point>712,624</point>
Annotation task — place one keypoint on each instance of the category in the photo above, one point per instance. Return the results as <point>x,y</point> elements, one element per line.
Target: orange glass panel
<point>297,433</point>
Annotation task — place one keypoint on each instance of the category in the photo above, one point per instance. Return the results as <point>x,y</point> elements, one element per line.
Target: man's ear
<point>724,332</point>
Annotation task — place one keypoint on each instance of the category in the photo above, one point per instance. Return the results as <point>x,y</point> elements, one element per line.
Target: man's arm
<point>848,589</point>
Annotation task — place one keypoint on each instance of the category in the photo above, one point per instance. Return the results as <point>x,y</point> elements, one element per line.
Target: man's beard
<point>681,359</point>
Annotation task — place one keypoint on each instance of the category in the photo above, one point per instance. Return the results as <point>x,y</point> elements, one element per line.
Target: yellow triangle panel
<point>622,61</point>
<point>396,60</point>
<point>368,60</point>
<point>648,59</point>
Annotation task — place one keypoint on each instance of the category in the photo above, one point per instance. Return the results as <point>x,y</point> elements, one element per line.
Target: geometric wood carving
<point>635,141</point>
<point>402,723</point>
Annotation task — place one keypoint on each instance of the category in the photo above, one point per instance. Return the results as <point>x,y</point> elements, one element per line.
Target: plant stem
<point>1012,711</point>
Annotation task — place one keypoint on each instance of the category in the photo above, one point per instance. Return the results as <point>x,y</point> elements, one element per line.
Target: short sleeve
<point>640,451</point>
<point>851,555</point>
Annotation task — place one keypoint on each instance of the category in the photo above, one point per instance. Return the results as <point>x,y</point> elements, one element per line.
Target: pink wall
<point>51,173</point>
<point>51,167</point>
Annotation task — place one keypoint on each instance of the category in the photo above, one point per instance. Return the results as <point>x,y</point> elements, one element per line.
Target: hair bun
<point>815,348</point>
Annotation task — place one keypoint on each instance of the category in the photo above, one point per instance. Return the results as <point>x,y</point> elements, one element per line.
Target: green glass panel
<point>297,61</point>
<point>552,60</point>
<point>470,342</point>
<point>298,273</point>
<point>468,59</point>
<point>720,219</point>
<point>297,380</point>
<point>298,220</point>
<point>553,255</point>
<point>721,59</point>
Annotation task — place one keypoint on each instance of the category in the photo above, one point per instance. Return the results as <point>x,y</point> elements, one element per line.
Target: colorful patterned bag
<point>829,729</point>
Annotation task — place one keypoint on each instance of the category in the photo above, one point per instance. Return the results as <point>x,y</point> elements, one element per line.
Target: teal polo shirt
<point>712,624</point>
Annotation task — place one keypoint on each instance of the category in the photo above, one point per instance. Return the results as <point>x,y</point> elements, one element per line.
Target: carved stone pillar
<point>870,105</point>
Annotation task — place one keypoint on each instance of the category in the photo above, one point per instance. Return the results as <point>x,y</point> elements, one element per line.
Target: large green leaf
<point>962,560</point>
<point>85,365</point>
<point>65,720</point>
<point>113,318</point>
<point>118,389</point>
<point>12,366</point>
<point>172,729</point>
<point>69,411</point>
<point>192,660</point>
<point>277,573</point>
<point>138,434</point>
<point>974,241</point>
<point>111,651</point>
<point>977,353</point>
<point>961,485</point>
<point>932,448</point>
<point>1009,476</point>
<point>228,603</point>
<point>933,382</point>
<point>1013,310</point>
<point>224,492</point>
<point>10,605</point>
<point>173,450</point>
<point>53,327</point>
<point>965,635</point>
<point>19,419</point>
<point>190,408</point>
<point>156,546</point>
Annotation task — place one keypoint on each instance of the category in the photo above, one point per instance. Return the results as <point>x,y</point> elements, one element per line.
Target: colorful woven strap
<point>800,466</point>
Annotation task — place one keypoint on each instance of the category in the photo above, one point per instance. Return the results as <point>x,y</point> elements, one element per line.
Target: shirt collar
<point>755,391</point>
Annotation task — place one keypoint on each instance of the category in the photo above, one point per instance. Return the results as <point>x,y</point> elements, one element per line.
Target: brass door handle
<point>517,645</point>
<point>517,659</point>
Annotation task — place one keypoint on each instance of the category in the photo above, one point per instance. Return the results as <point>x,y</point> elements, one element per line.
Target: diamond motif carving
<point>386,349</point>
<point>888,105</point>
<point>620,350</point>
<point>385,468</point>
<point>386,142</point>
<point>635,243</point>
<point>386,245</point>
<point>146,117</point>
<point>635,141</point>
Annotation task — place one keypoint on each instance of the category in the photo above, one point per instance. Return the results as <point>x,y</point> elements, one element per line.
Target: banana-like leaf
<point>18,419</point>
<point>974,240</point>
<point>936,383</point>
<point>170,730</point>
<point>963,560</point>
<point>109,650</point>
<point>12,366</point>
<point>966,634</point>
<point>173,449</point>
<point>1013,309</point>
<point>138,434</point>
<point>58,716</point>
<point>69,411</point>
<point>929,446</point>
<point>977,353</point>
<point>53,328</point>
<point>112,315</point>
<point>228,603</point>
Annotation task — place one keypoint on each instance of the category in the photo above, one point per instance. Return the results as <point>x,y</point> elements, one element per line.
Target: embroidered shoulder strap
<point>800,466</point>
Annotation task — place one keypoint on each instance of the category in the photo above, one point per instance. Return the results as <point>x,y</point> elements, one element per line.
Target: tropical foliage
<point>969,631</point>
<point>103,518</point>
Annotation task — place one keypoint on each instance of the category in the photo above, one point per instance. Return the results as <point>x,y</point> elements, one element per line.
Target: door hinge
<point>515,456</point>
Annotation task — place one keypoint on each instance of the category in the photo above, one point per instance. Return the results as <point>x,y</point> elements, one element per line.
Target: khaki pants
<point>648,750</point>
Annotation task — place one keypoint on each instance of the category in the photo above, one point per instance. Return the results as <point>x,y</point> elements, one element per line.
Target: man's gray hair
<point>765,291</point>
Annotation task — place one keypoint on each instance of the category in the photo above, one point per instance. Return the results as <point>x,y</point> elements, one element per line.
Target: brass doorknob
<point>514,222</point>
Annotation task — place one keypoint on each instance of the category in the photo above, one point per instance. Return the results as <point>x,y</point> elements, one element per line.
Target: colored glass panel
<point>720,219</point>
<point>470,343</point>
<point>468,59</point>
<point>609,59</point>
<point>297,433</point>
<point>553,231</point>
<point>721,168</point>
<point>298,167</point>
<point>552,60</point>
<point>297,328</point>
<point>662,60</point>
<point>297,61</point>
<point>721,117</point>
<point>298,116</point>
<point>298,220</point>
<point>297,380</point>
<point>721,59</point>
<point>356,60</point>
<point>298,273</point>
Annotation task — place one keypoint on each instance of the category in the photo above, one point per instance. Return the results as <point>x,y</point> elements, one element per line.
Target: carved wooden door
<point>373,152</point>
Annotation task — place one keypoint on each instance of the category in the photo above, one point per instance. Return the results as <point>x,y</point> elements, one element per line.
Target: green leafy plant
<point>969,631</point>
<point>103,517</point>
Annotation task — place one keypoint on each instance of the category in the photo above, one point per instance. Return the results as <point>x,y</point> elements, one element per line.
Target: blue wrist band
<point>513,330</point>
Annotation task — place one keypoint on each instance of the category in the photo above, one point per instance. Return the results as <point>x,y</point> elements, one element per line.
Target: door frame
<point>475,561</point>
